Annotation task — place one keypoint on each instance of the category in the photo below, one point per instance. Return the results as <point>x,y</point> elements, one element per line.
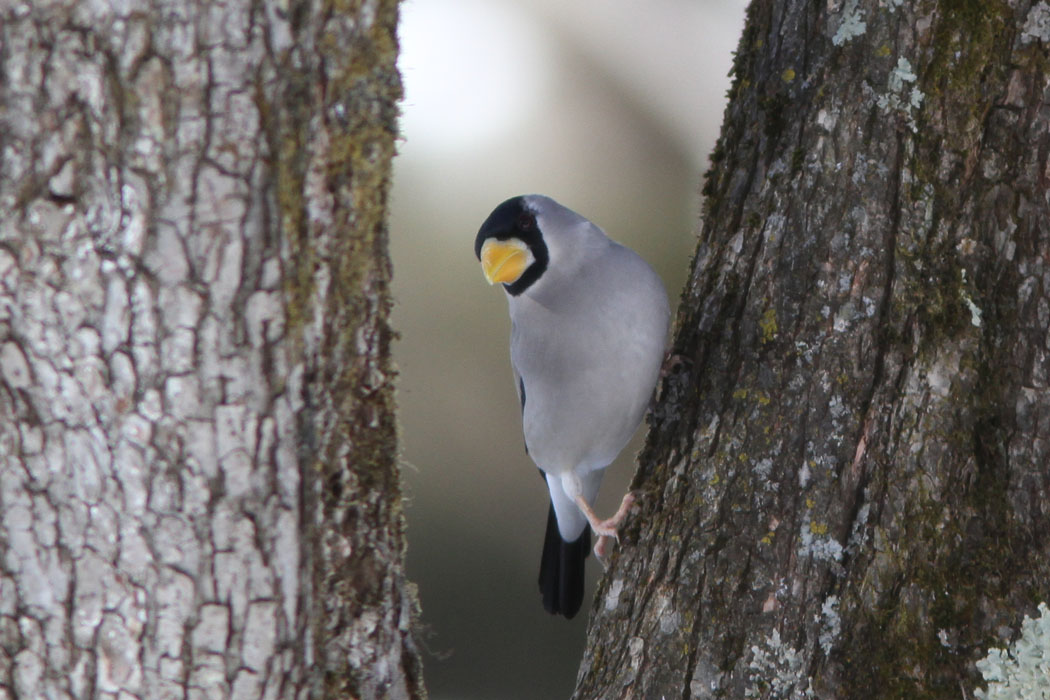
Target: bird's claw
<point>609,529</point>
<point>672,362</point>
<point>601,549</point>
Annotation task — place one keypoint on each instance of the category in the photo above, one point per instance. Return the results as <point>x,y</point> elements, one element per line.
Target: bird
<point>589,320</point>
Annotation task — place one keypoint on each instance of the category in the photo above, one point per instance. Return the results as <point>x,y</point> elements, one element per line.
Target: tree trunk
<point>198,484</point>
<point>846,490</point>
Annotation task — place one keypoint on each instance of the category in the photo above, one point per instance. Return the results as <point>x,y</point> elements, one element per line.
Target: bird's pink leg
<point>605,529</point>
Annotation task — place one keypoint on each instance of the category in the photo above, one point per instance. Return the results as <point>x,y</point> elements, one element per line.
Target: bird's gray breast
<point>588,359</point>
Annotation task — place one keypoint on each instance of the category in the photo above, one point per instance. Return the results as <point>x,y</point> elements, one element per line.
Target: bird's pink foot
<point>606,529</point>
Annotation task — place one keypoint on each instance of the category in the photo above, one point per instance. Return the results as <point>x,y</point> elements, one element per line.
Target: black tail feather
<point>561,570</point>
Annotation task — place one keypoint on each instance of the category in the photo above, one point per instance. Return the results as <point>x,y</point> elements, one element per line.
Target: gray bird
<point>588,330</point>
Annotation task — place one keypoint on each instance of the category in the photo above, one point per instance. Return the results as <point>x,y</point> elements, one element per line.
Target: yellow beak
<point>504,261</point>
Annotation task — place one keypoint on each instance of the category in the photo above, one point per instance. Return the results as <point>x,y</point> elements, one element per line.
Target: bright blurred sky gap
<point>473,70</point>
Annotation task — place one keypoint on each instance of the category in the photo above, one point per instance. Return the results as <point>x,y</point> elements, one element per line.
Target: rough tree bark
<point>846,485</point>
<point>198,484</point>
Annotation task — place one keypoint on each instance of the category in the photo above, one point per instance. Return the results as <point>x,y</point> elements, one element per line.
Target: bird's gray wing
<point>519,385</point>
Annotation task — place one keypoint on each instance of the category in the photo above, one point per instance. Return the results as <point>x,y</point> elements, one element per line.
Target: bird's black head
<point>515,220</point>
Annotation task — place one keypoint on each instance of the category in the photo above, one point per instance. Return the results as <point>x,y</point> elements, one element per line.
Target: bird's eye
<point>526,222</point>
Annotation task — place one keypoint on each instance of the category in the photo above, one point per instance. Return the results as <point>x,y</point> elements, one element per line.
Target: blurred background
<point>611,107</point>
